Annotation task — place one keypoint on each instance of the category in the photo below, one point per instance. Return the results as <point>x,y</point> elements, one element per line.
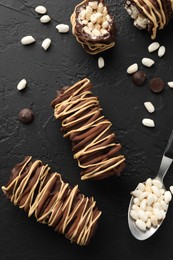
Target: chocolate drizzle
<point>92,45</point>
<point>93,142</point>
<point>52,201</point>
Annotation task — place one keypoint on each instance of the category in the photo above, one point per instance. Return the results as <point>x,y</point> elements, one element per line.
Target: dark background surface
<point>46,72</point>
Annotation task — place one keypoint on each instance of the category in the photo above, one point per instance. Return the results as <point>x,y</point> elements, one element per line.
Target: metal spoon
<point>164,166</point>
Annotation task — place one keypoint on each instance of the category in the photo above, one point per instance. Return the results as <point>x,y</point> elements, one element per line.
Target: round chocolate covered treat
<point>157,85</point>
<point>139,78</point>
<point>93,26</point>
<point>26,116</point>
<point>152,15</point>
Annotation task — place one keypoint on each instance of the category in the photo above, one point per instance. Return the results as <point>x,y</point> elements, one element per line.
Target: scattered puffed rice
<point>151,209</point>
<point>161,51</point>
<point>167,196</point>
<point>148,62</point>
<point>27,40</point>
<point>45,19</point>
<point>101,62</point>
<point>148,122</point>
<point>62,28</point>
<point>22,84</point>
<point>41,9</point>
<point>132,68</point>
<point>170,84</point>
<point>171,189</point>
<point>149,106</point>
<point>153,46</point>
<point>46,43</point>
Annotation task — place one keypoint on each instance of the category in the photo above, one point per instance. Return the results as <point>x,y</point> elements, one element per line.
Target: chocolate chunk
<point>139,78</point>
<point>157,85</point>
<point>26,116</point>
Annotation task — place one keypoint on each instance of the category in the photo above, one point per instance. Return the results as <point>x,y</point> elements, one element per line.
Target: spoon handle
<point>166,159</point>
<point>169,147</point>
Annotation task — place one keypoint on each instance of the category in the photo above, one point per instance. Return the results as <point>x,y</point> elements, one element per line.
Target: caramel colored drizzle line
<point>152,15</point>
<point>70,115</point>
<point>76,222</point>
<point>91,48</point>
<point>171,4</point>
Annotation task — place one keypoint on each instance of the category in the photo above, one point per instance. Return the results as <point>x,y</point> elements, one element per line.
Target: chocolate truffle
<point>26,116</point>
<point>93,141</point>
<point>45,195</point>
<point>157,85</point>
<point>93,26</point>
<point>139,78</point>
<point>152,15</point>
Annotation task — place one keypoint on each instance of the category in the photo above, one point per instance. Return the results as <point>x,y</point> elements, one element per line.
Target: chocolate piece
<point>139,78</point>
<point>157,85</point>
<point>93,26</point>
<point>26,116</point>
<point>152,15</point>
<point>93,141</point>
<point>52,201</point>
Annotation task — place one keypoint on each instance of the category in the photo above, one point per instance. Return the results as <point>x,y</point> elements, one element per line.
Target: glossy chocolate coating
<point>158,12</point>
<point>52,201</point>
<point>90,44</point>
<point>139,78</point>
<point>26,116</point>
<point>157,85</point>
<point>93,142</point>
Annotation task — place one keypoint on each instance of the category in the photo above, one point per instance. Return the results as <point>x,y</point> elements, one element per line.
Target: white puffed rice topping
<point>95,19</point>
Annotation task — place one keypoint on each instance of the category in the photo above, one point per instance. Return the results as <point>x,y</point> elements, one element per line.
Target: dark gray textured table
<point>46,72</point>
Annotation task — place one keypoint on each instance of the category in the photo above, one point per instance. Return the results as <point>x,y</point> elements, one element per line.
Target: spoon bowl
<point>136,232</point>
<point>164,166</point>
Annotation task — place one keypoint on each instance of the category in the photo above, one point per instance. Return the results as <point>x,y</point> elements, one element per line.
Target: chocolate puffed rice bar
<point>152,15</point>
<point>93,142</point>
<point>93,26</point>
<point>52,201</point>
